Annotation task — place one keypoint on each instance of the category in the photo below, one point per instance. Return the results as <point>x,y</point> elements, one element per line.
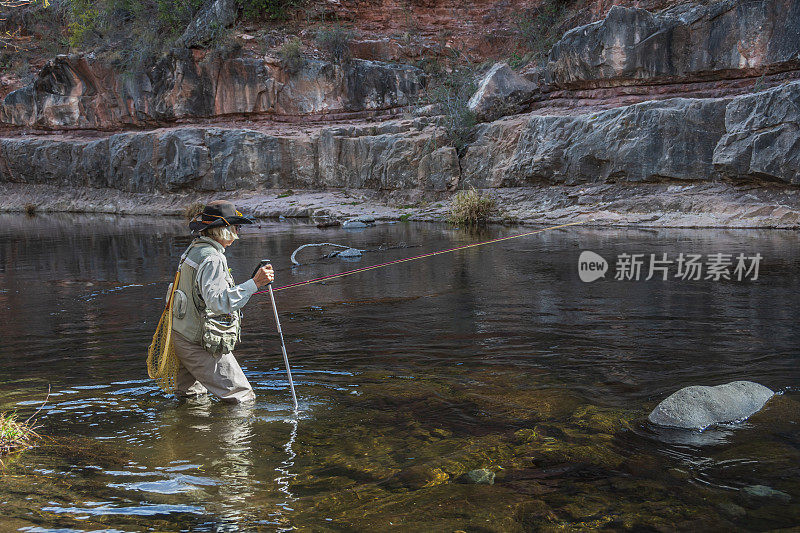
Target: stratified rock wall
<point>753,137</point>
<point>83,92</point>
<point>762,136</point>
<point>729,38</point>
<point>652,141</point>
<point>214,159</point>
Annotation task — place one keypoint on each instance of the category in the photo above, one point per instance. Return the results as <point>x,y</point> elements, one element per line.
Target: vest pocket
<point>179,304</point>
<point>220,333</point>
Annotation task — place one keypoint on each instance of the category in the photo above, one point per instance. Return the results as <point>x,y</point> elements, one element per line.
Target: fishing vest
<point>190,317</point>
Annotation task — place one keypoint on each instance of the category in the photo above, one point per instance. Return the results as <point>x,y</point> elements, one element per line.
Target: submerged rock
<point>419,477</point>
<point>763,491</point>
<point>328,224</point>
<point>361,221</point>
<point>731,509</point>
<point>479,476</point>
<point>698,407</point>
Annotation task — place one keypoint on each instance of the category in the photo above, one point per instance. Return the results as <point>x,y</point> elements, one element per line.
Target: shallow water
<point>496,357</point>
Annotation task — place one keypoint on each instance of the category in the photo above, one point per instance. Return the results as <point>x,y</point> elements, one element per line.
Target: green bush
<point>291,55</point>
<point>267,9</point>
<point>539,28</point>
<point>83,21</point>
<point>458,123</point>
<point>335,42</point>
<point>173,15</point>
<point>127,27</point>
<point>471,208</point>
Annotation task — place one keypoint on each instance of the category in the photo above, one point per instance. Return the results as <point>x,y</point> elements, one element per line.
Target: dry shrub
<point>335,42</point>
<point>15,435</point>
<point>191,211</point>
<point>471,208</point>
<point>291,55</point>
<point>451,89</point>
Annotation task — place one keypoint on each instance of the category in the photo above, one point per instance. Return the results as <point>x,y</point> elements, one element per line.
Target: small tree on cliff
<point>450,88</point>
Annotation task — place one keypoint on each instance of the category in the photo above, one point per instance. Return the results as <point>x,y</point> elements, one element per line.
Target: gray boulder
<point>215,17</point>
<point>501,92</point>
<point>354,223</point>
<point>761,133</point>
<point>698,407</point>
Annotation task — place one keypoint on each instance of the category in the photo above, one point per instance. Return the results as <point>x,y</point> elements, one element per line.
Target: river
<point>496,357</point>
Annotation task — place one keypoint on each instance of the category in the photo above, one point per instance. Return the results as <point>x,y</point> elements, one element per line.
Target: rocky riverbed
<point>648,205</point>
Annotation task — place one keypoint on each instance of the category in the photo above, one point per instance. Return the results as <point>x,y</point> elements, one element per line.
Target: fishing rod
<point>265,262</point>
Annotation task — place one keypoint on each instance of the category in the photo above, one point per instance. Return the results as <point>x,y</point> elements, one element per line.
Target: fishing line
<point>272,289</point>
<point>414,258</point>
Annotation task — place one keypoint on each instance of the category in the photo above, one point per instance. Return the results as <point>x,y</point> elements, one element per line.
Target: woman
<point>206,318</point>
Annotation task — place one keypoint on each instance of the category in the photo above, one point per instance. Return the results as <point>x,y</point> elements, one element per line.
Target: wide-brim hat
<point>218,213</point>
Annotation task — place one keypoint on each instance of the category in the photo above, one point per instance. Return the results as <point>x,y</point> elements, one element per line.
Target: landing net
<point>162,364</point>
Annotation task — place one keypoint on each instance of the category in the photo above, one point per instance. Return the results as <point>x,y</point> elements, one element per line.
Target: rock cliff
<point>87,93</point>
<point>687,116</point>
<point>386,156</point>
<point>721,40</point>
<point>748,138</point>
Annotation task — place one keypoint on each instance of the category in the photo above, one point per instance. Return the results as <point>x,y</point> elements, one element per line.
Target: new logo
<point>591,266</point>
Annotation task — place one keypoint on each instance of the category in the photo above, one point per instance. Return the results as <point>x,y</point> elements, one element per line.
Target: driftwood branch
<point>294,254</point>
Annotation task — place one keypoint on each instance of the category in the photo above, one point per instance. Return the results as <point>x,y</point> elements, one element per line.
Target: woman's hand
<point>264,275</point>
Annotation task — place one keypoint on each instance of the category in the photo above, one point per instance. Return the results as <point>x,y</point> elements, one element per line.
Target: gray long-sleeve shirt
<point>214,281</point>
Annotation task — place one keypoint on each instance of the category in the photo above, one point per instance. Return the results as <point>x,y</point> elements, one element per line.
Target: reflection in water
<point>284,478</point>
<point>234,463</point>
<point>409,377</point>
<point>220,438</point>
